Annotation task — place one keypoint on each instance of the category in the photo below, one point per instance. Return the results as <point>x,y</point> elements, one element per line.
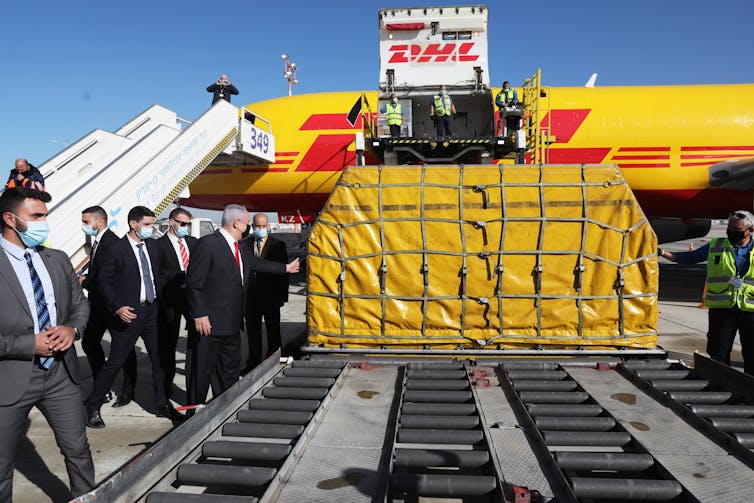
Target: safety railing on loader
<point>536,102</point>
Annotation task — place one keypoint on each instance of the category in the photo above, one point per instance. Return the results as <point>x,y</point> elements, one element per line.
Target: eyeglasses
<point>182,224</point>
<point>738,216</point>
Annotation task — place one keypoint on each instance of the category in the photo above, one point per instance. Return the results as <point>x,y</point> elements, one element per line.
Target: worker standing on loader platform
<point>505,98</point>
<point>441,108</point>
<point>394,116</point>
<point>730,288</point>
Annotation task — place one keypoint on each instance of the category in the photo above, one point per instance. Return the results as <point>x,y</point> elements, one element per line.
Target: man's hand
<point>42,346</point>
<point>61,337</point>
<point>292,267</point>
<point>126,314</point>
<point>203,326</point>
<point>82,278</point>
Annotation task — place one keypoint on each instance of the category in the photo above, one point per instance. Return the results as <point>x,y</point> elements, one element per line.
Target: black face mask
<point>245,233</point>
<point>735,236</point>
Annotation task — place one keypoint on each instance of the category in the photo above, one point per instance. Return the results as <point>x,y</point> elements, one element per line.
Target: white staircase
<point>148,162</point>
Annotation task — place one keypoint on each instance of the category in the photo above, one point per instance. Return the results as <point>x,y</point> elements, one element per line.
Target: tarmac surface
<point>40,474</point>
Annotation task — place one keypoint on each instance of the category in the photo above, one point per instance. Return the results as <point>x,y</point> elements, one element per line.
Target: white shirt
<point>143,291</point>
<point>97,239</point>
<point>174,241</point>
<point>232,243</point>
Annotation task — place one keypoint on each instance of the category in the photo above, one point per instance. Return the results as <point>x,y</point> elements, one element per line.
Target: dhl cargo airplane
<point>686,151</point>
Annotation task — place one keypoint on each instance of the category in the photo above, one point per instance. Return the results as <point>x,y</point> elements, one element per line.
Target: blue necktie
<point>43,316</point>
<point>148,284</point>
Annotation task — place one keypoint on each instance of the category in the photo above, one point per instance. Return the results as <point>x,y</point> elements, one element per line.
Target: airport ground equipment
<point>149,161</point>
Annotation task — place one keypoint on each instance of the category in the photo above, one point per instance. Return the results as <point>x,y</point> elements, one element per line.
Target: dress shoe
<point>169,412</point>
<point>93,418</point>
<point>108,397</point>
<point>123,400</point>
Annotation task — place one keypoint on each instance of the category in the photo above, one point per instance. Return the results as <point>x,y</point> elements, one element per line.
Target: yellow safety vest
<point>507,95</point>
<point>721,266</point>
<point>442,105</point>
<point>394,115</point>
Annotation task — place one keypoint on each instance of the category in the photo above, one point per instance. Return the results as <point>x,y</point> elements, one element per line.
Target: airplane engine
<point>676,229</point>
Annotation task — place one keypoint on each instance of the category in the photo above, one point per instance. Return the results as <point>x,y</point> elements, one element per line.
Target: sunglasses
<point>182,224</point>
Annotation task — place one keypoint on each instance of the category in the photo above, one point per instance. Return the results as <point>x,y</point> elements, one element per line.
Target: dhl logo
<point>432,53</point>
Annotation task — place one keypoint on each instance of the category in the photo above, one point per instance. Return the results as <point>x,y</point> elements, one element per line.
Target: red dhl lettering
<point>432,53</point>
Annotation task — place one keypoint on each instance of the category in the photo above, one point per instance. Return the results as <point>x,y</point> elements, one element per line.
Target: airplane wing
<point>737,174</point>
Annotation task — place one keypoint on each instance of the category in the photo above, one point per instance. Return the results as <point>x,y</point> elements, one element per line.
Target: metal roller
<point>295,393</point>
<point>303,382</point>
<point>212,475</point>
<point>437,396</point>
<point>435,366</point>
<point>618,461</point>
<point>245,450</point>
<point>626,489</point>
<point>441,486</point>
<point>527,385</point>
<point>745,439</point>
<point>681,385</point>
<point>262,430</point>
<point>437,374</point>
<point>442,409</point>
<point>440,422</point>
<point>559,397</point>
<point>722,410</point>
<point>441,458</point>
<point>590,438</point>
<point>274,416</point>
<point>576,410</point>
<point>529,366</point>
<point>708,397</point>
<point>320,364</point>
<point>461,437</point>
<point>537,375</point>
<point>662,375</point>
<point>433,384</point>
<point>291,405</point>
<point>647,364</point>
<point>733,424</point>
<point>310,372</point>
<point>555,423</point>
<point>197,498</point>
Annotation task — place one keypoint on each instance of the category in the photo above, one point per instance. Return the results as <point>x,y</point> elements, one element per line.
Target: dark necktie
<point>43,316</point>
<point>259,247</point>
<point>148,284</point>
<point>94,247</point>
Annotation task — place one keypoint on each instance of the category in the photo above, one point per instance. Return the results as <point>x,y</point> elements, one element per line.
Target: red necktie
<point>184,254</point>
<point>238,256</point>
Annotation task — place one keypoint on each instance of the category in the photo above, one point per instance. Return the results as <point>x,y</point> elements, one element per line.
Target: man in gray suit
<point>42,312</point>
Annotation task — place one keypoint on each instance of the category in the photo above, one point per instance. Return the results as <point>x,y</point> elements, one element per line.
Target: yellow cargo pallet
<point>482,257</point>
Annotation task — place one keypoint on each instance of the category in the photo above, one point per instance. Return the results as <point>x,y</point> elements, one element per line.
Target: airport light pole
<point>290,73</point>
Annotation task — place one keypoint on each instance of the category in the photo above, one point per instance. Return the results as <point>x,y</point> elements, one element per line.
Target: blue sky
<point>70,67</point>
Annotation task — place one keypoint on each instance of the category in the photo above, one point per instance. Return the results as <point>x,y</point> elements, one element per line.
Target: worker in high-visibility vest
<point>730,288</point>
<point>441,109</point>
<point>507,97</point>
<point>394,116</point>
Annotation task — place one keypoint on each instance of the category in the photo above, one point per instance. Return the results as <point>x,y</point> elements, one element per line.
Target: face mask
<point>144,233</point>
<point>182,232</point>
<point>35,234</point>
<point>394,101</point>
<point>443,93</point>
<point>260,233</point>
<point>89,230</point>
<point>735,236</point>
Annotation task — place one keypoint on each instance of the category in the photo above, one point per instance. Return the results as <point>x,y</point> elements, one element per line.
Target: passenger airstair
<point>149,161</point>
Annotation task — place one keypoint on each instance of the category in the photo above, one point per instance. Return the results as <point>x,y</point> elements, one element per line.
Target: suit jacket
<point>119,276</point>
<point>270,289</point>
<point>213,283</point>
<point>174,280</point>
<point>90,283</point>
<point>17,324</point>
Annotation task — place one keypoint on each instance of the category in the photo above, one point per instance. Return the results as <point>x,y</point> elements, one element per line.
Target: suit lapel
<point>58,285</point>
<point>6,270</point>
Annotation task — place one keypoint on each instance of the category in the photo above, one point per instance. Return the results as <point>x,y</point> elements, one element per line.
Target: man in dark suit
<point>267,293</point>
<point>94,220</point>
<point>175,247</point>
<point>42,311</point>
<point>130,282</point>
<point>216,283</point>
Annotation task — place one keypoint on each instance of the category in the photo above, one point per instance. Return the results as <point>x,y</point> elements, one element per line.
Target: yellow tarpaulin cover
<point>482,257</point>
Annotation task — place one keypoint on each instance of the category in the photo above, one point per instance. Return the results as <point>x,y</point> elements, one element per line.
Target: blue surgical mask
<point>89,230</point>
<point>35,234</point>
<point>443,93</point>
<point>260,233</point>
<point>182,232</point>
<point>145,233</point>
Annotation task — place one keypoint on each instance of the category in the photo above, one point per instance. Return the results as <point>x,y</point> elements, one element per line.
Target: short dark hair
<point>179,211</point>
<point>97,211</point>
<point>506,82</point>
<point>12,198</point>
<point>138,212</point>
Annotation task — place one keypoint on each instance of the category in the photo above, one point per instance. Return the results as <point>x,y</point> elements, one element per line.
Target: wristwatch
<point>76,331</point>
<point>661,252</point>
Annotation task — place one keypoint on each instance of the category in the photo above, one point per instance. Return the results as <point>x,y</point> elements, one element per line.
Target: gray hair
<point>744,215</point>
<point>231,213</point>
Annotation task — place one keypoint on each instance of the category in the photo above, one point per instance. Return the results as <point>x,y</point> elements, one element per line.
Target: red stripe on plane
<point>713,156</point>
<point>577,155</point>
<point>285,154</point>
<point>696,149</point>
<point>264,170</point>
<point>328,121</point>
<point>329,152</point>
<point>643,165</point>
<point>564,123</point>
<point>639,157</point>
<point>284,161</point>
<point>644,149</point>
<point>705,163</point>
